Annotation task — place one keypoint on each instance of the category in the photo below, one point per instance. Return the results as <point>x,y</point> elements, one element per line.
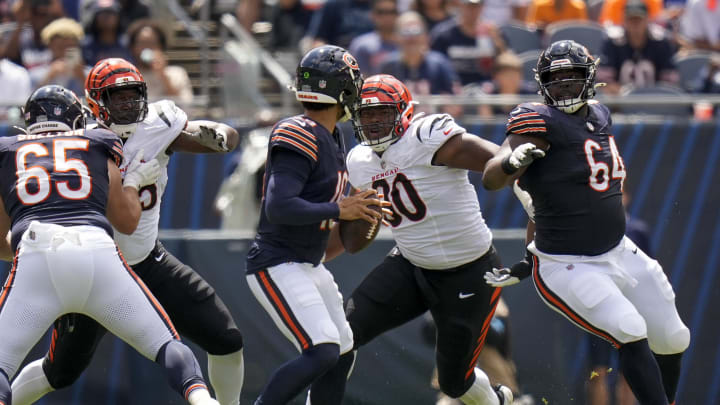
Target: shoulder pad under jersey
<point>109,140</point>
<point>297,134</point>
<point>167,113</point>
<point>528,119</point>
<point>435,129</point>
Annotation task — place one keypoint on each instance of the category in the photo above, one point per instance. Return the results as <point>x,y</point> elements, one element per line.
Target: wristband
<point>507,168</point>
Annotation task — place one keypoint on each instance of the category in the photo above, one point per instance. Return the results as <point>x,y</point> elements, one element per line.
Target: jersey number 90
<point>401,185</point>
<point>43,185</point>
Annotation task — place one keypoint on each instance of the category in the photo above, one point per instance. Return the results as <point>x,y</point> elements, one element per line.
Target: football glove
<point>213,139</point>
<point>506,277</point>
<point>521,157</point>
<point>140,173</point>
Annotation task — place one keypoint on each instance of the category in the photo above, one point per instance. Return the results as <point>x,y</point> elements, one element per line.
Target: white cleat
<point>504,394</point>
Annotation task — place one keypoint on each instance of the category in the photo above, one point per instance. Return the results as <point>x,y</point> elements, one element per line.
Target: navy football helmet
<point>329,74</point>
<point>566,55</point>
<point>53,108</point>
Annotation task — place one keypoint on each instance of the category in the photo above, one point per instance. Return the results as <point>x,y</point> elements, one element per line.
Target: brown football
<point>357,234</point>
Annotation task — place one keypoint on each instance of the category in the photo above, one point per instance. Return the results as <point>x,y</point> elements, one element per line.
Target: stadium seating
<point>529,61</point>
<point>662,90</point>
<point>588,33</point>
<point>689,65</point>
<point>520,38</point>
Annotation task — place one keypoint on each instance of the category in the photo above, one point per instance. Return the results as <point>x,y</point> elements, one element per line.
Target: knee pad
<point>676,341</point>
<point>228,342</point>
<point>631,327</point>
<point>329,331</point>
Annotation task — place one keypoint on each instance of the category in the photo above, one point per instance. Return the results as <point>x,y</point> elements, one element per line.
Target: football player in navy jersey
<point>304,186</point>
<point>582,264</point>
<point>61,191</point>
<point>117,96</point>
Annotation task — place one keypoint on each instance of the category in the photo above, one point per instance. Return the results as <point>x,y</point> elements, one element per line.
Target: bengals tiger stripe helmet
<point>107,76</point>
<point>385,111</point>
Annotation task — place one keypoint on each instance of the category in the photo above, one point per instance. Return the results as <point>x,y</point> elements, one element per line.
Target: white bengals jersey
<point>163,124</point>
<point>437,222</point>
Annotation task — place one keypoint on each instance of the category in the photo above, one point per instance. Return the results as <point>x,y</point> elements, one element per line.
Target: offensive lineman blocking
<point>58,183</point>
<point>116,93</point>
<point>583,265</point>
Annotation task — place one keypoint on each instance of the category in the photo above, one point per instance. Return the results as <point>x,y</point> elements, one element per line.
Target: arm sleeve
<point>283,204</point>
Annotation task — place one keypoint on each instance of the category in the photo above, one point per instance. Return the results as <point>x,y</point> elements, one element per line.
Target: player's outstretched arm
<point>510,162</point>
<point>206,137</point>
<point>6,252</point>
<point>466,151</point>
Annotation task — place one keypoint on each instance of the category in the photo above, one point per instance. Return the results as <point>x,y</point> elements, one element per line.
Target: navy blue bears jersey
<point>59,178</point>
<point>280,243</point>
<point>577,187</point>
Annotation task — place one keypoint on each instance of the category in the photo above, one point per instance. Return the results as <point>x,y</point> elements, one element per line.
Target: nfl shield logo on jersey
<point>322,84</point>
<point>57,111</point>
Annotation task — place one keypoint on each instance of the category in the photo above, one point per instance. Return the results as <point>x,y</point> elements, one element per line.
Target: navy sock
<point>181,366</point>
<point>670,369</point>
<point>329,389</point>
<point>295,375</point>
<point>5,391</point>
<point>642,373</point>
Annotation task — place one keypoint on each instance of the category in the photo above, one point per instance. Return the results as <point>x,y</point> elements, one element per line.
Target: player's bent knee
<point>227,342</point>
<point>329,332</point>
<point>631,327</point>
<point>677,341</point>
<point>323,356</point>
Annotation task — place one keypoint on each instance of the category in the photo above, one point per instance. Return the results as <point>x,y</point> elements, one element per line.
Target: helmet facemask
<point>379,125</point>
<point>349,98</point>
<point>125,106</point>
<point>566,83</point>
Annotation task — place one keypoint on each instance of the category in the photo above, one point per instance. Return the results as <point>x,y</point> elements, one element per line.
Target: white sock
<point>200,396</point>
<point>481,392</point>
<point>30,384</point>
<point>226,374</point>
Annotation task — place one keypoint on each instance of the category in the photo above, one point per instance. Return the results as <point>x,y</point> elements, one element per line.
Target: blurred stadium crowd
<point>461,48</point>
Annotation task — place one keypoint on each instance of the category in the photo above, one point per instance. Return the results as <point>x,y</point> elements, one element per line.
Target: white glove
<point>500,277</point>
<point>508,276</point>
<point>138,174</point>
<point>521,156</point>
<point>525,200</point>
<point>213,139</point>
